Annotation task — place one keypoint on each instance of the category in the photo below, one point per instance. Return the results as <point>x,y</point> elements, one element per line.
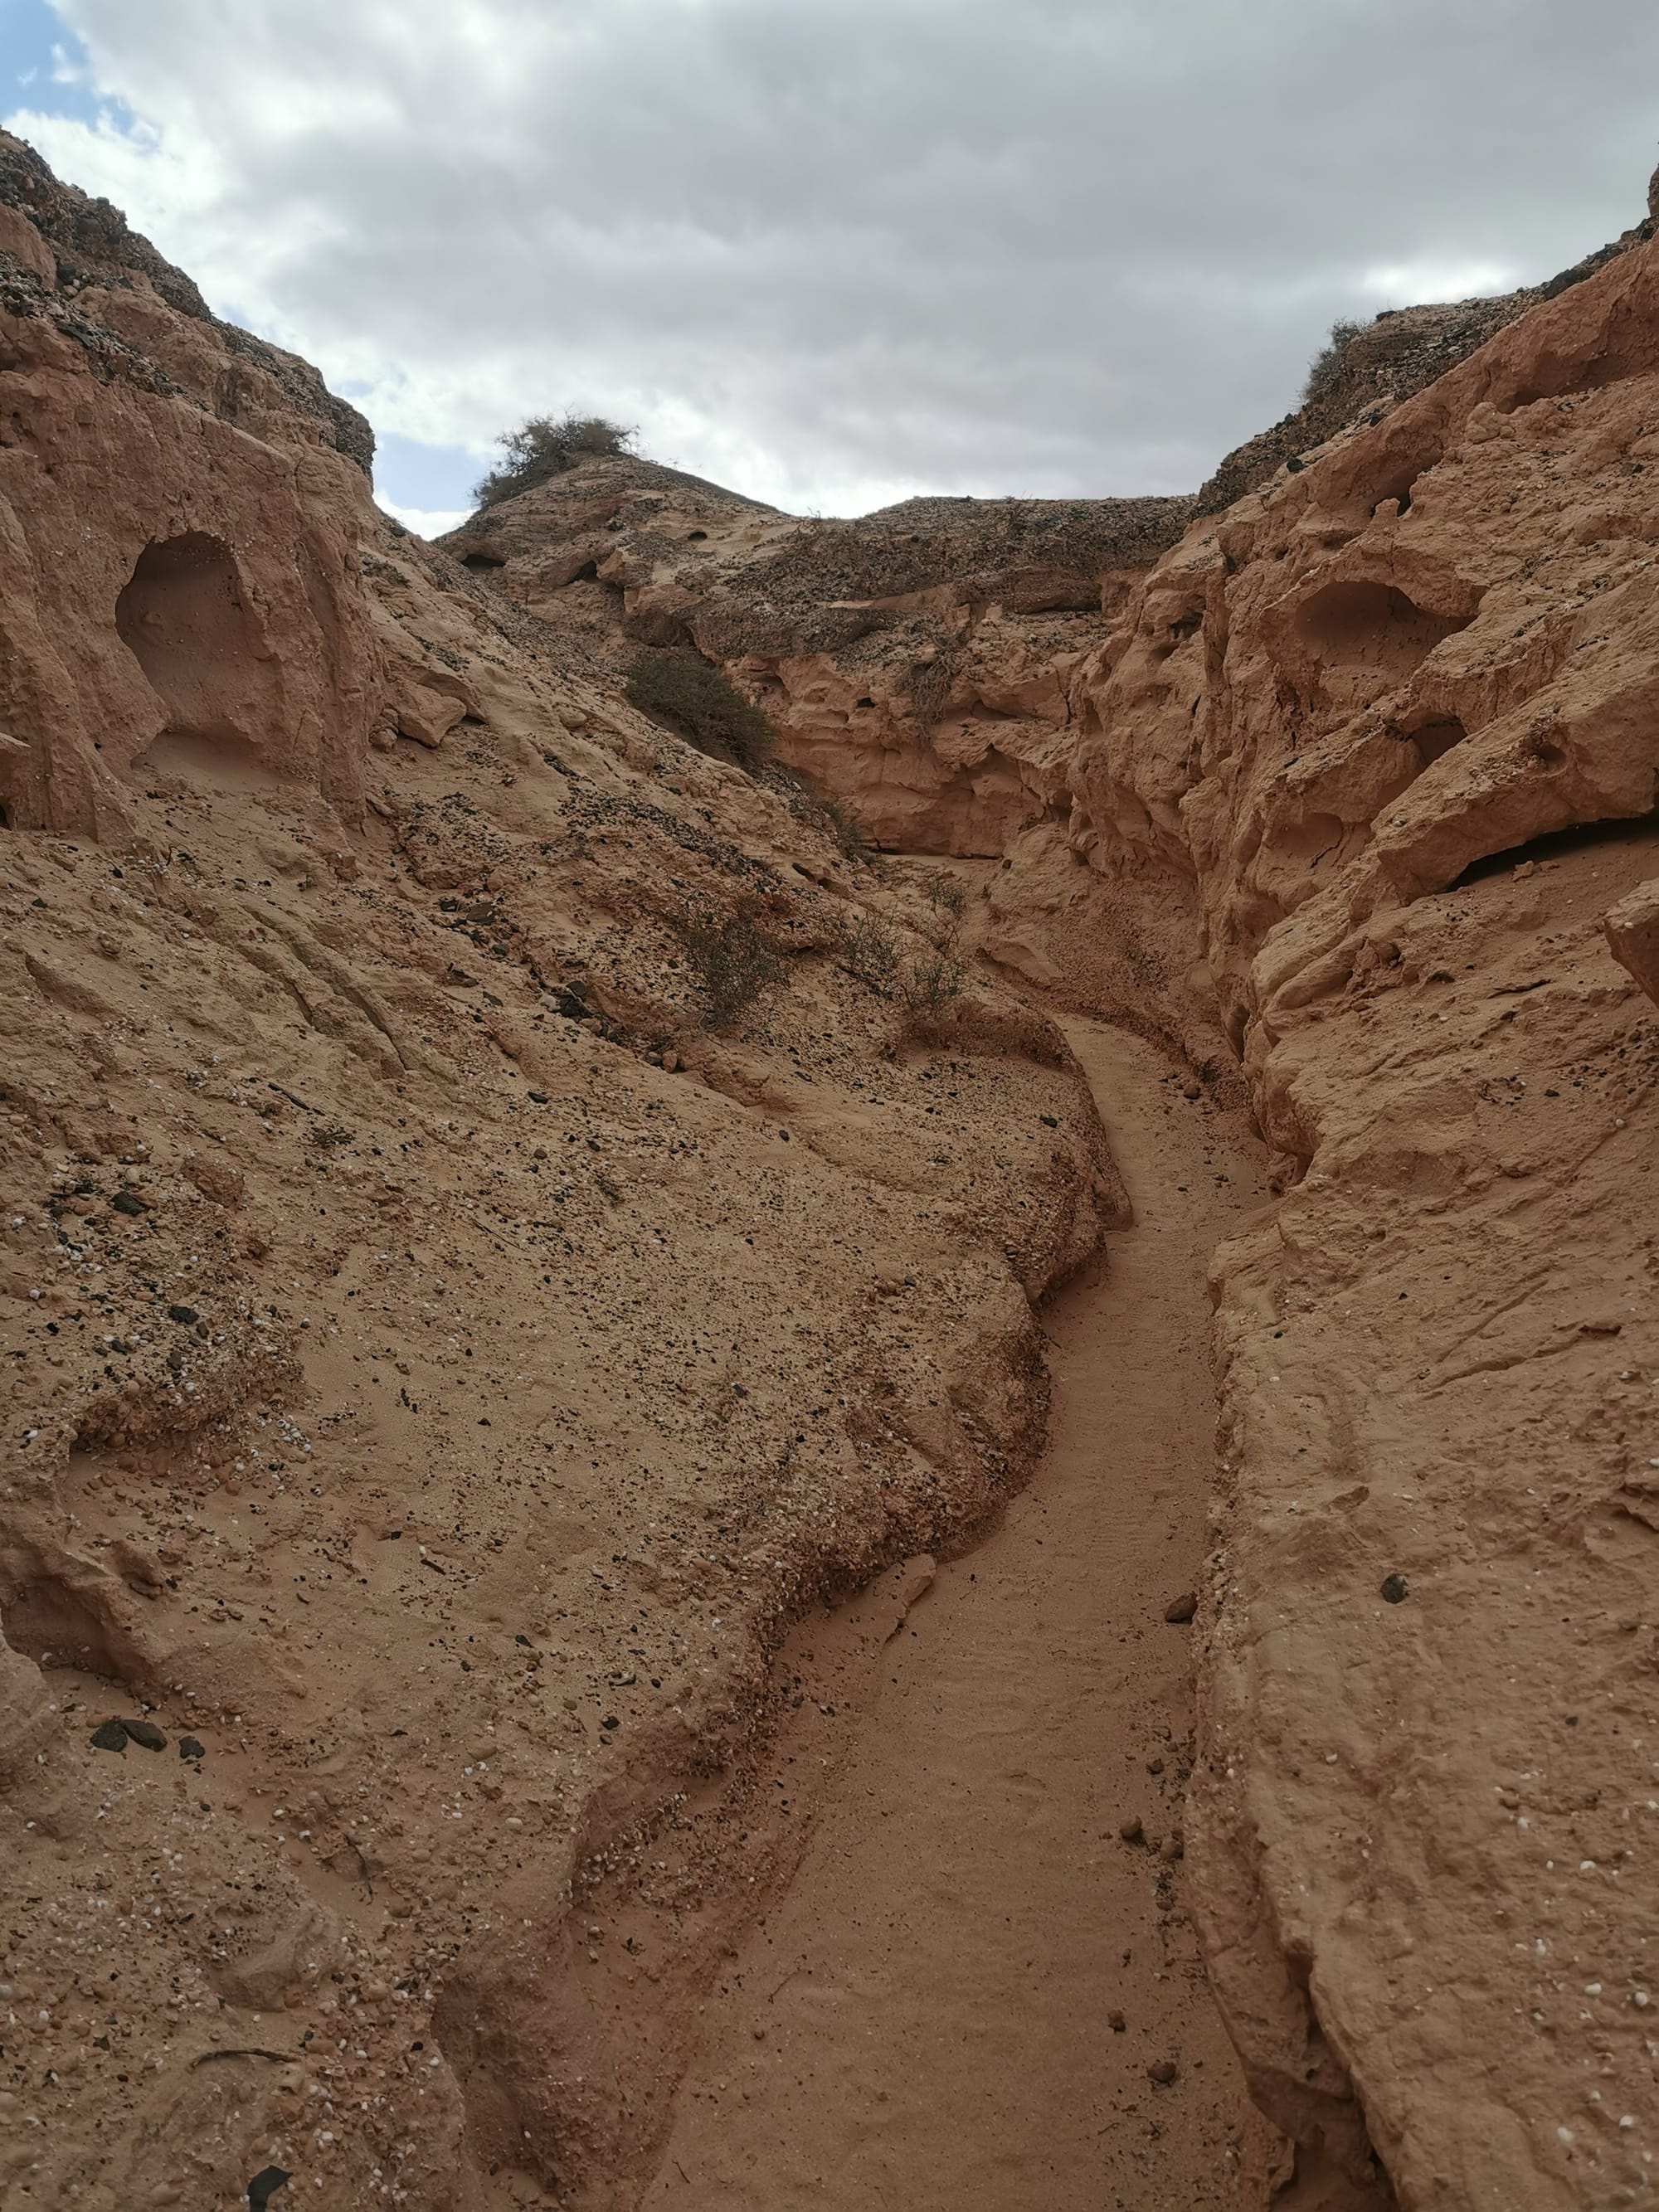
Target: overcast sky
<point>835,252</point>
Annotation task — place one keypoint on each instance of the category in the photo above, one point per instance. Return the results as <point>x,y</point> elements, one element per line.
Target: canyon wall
<point>1347,793</point>
<point>486,1245</point>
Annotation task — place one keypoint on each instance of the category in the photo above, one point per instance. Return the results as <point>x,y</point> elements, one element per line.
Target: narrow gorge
<point>619,1356</point>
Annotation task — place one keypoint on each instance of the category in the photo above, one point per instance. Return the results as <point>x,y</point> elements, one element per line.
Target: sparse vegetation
<point>703,705</point>
<point>1325,369</point>
<point>870,951</point>
<point>948,896</point>
<point>732,962</point>
<point>927,982</point>
<point>929,680</point>
<point>328,1136</point>
<point>832,815</point>
<point>851,842</point>
<point>542,448</point>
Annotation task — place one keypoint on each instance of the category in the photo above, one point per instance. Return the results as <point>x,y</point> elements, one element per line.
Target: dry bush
<point>733,963</point>
<point>542,448</point>
<point>703,705</point>
<point>1325,369</point>
<point>929,681</point>
<point>870,951</point>
<point>851,841</point>
<point>929,981</point>
<point>948,897</point>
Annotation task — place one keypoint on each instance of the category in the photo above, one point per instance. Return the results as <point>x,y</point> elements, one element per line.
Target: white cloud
<point>427,521</point>
<point>837,251</point>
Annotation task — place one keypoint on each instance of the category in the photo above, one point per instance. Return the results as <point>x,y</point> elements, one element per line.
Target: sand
<point>924,2019</point>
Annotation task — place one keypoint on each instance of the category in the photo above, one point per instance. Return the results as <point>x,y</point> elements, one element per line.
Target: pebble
<point>1180,1610</point>
<point>190,1747</point>
<point>1116,2022</point>
<point>1163,2071</point>
<point>1393,1589</point>
<point>147,1734</point>
<point>183,1315</point>
<point>265,2185</point>
<point>1131,1830</point>
<point>110,1735</point>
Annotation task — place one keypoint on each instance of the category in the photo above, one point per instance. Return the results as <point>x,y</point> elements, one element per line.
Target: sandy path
<point>924,2019</point>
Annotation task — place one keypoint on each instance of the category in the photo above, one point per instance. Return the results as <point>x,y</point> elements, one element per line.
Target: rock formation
<point>499,1213</point>
<point>1353,804</point>
<point>401,1413</point>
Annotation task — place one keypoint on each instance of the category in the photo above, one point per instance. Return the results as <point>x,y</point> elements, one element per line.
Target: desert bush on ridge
<point>1325,369</point>
<point>870,951</point>
<point>705,707</point>
<point>541,448</point>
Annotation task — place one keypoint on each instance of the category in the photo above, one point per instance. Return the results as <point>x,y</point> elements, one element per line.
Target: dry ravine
<point>594,1452</point>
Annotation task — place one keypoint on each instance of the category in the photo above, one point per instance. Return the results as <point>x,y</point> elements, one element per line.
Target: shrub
<point>948,896</point>
<point>542,448</point>
<point>682,691</point>
<point>1325,369</point>
<point>733,963</point>
<point>929,981</point>
<point>851,842</point>
<point>929,681</point>
<point>870,951</point>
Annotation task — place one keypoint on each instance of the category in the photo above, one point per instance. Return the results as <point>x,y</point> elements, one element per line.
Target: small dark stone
<point>1163,2071</point>
<point>1294,467</point>
<point>110,1735</point>
<point>1049,1121</point>
<point>1116,2022</point>
<point>1394,1588</point>
<point>147,1734</point>
<point>610,1721</point>
<point>183,1315</point>
<point>1180,1610</point>
<point>1131,1830</point>
<point>265,2185</point>
<point>538,1097</point>
<point>191,1746</point>
<point>127,1201</point>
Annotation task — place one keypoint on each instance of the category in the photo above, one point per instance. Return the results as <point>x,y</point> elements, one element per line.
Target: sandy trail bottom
<point>924,2019</point>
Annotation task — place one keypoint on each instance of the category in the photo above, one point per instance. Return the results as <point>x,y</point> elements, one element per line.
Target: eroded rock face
<point>457,1315</point>
<point>1378,745</point>
<point>1350,798</point>
<point>915,664</point>
<point>219,599</point>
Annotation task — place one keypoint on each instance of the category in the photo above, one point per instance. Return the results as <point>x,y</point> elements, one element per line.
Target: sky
<point>833,252</point>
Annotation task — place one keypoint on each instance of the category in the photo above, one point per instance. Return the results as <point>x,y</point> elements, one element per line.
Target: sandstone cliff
<point>1348,794</point>
<point>402,1414</point>
<point>484,1247</point>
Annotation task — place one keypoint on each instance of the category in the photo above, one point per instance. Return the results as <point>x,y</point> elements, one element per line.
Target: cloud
<point>427,521</point>
<point>834,251</point>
